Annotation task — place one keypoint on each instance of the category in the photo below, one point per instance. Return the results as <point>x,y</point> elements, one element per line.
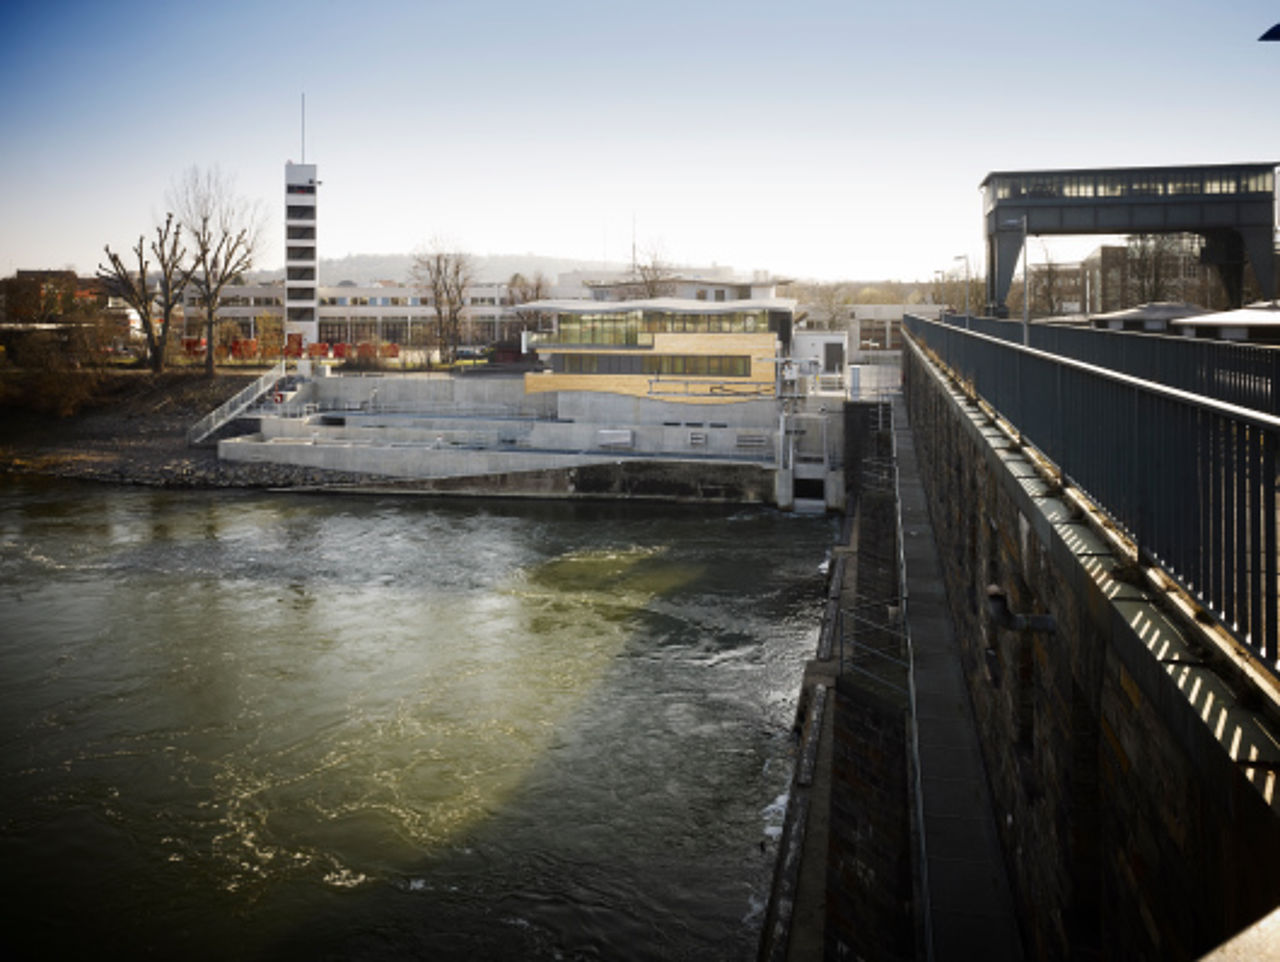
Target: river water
<point>271,726</point>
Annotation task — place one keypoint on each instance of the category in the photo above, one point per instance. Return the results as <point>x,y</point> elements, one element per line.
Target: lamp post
<point>1272,34</point>
<point>965,258</point>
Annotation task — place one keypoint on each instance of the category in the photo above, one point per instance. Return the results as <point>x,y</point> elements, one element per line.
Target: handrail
<point>1244,374</point>
<point>228,409</point>
<point>917,774</point>
<point>1189,479</point>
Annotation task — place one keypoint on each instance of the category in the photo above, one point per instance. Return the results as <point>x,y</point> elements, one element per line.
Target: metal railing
<point>1190,479</point>
<point>230,408</point>
<point>1244,374</point>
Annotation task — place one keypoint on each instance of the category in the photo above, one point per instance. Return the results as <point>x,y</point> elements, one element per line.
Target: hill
<point>367,268</point>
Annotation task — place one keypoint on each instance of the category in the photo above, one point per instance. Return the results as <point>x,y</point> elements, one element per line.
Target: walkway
<point>971,908</point>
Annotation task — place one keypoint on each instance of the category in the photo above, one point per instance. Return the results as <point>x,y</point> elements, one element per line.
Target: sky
<point>823,140</point>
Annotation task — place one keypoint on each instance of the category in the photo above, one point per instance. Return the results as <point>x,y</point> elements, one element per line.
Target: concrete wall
<point>1128,829</point>
<point>473,395</point>
<point>432,427</point>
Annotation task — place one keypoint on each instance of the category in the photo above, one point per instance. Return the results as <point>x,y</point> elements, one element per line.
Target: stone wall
<point>1128,830</point>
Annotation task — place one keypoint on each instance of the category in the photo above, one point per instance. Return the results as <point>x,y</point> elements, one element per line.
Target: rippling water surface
<point>270,726</point>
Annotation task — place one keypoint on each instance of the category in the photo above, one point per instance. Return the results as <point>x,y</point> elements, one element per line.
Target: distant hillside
<point>367,268</point>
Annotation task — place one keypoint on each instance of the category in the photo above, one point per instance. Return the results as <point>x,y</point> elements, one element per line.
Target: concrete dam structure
<point>1018,737</point>
<point>486,435</point>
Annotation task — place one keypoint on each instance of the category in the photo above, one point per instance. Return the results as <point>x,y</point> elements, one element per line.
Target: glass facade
<point>1050,185</point>
<point>636,328</point>
<point>680,365</point>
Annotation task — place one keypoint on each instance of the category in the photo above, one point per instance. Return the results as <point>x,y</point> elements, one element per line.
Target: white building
<point>301,262</point>
<point>717,285</point>
<point>391,312</point>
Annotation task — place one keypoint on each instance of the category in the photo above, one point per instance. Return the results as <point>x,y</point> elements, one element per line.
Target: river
<point>281,726</point>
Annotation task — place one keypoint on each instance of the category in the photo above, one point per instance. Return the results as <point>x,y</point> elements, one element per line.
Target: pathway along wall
<point>1128,831</point>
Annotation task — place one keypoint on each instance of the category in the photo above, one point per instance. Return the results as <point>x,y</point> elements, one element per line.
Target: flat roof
<point>1255,315</point>
<point>695,279</point>
<point>1264,165</point>
<point>668,305</point>
<point>1154,311</point>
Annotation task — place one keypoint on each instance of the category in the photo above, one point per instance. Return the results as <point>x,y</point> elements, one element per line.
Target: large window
<point>698,365</point>
<point>633,329</point>
<point>670,365</point>
<point>1261,183</point>
<point>1111,185</point>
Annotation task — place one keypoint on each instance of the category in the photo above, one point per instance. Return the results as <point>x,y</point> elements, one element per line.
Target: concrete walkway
<point>971,909</point>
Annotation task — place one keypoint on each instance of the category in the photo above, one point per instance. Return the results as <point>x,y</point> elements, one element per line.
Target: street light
<point>965,258</point>
<point>1272,34</point>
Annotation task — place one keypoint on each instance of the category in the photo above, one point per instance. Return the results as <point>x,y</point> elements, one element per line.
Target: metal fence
<point>1244,374</point>
<point>1189,478</point>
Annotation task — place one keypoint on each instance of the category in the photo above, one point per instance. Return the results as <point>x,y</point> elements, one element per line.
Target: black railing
<point>1244,374</point>
<point>1188,478</point>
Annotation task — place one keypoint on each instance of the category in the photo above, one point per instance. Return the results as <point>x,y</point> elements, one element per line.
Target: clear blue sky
<point>817,139</point>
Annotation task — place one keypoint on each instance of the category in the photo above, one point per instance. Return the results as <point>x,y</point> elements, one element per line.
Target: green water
<point>267,726</point>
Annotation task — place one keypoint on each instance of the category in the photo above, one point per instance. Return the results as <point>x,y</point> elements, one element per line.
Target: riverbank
<point>131,429</point>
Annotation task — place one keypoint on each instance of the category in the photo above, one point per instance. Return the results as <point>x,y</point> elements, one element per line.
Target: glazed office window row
<point>689,365</point>
<point>636,329</point>
<point>1130,184</point>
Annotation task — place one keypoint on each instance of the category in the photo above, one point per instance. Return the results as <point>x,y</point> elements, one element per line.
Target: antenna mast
<point>304,128</point>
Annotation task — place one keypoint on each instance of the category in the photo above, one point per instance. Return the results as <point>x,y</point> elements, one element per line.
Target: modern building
<point>386,312</point>
<point>301,261</point>
<point>691,349</point>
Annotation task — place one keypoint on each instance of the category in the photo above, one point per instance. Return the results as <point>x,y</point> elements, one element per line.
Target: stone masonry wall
<point>1128,831</point>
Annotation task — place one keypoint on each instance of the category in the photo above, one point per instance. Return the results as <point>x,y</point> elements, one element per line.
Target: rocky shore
<point>135,433</point>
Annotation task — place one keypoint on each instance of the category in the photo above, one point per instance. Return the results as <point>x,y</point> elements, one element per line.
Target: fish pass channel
<point>266,726</point>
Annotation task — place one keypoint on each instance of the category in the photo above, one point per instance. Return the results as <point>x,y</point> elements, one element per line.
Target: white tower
<point>300,260</point>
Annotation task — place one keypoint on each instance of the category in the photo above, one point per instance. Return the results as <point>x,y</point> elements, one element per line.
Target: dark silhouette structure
<point>1232,206</point>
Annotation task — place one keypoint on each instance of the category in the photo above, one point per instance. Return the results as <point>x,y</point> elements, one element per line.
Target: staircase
<point>232,408</point>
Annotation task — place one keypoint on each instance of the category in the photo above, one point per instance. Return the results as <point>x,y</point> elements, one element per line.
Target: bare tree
<point>132,288</point>
<point>135,289</point>
<point>653,276</point>
<point>445,277</point>
<point>223,228</point>
<point>1049,285</point>
<point>1151,260</point>
<point>174,275</point>
<point>831,302</point>
<point>524,290</point>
